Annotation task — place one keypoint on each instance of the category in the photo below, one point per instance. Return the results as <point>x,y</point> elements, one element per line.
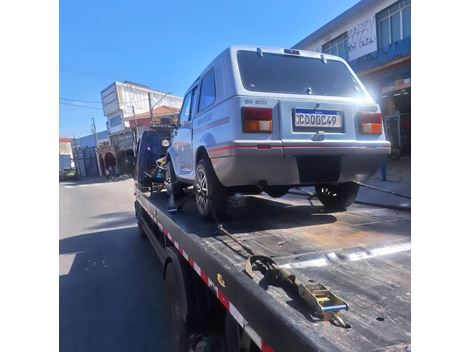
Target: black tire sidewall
<point>141,230</point>
<point>347,193</point>
<point>176,295</point>
<point>175,186</point>
<point>217,193</point>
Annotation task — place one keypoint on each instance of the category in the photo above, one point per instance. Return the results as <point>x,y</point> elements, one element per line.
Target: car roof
<point>228,80</point>
<point>232,50</point>
<point>283,51</point>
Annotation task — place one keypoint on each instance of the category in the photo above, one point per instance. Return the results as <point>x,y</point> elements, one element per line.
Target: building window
<point>115,121</point>
<point>394,23</point>
<point>337,46</point>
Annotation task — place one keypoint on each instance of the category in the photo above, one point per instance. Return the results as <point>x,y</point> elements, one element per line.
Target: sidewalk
<point>398,173</point>
<point>375,197</point>
<point>98,179</point>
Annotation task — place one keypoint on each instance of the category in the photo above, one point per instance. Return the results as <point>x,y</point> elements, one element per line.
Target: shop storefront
<point>107,159</point>
<point>390,86</point>
<point>124,144</point>
<point>374,37</point>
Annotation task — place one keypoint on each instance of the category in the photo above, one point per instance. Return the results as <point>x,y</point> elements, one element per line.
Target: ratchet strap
<point>322,302</point>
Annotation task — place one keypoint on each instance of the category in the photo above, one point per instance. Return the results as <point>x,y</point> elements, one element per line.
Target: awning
<point>396,85</point>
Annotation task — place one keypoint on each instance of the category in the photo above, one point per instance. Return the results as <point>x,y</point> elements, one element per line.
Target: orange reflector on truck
<point>257,120</point>
<point>370,122</point>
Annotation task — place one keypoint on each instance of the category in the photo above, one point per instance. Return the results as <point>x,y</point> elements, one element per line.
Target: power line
<point>80,106</point>
<point>66,69</point>
<point>128,103</point>
<point>81,133</point>
<point>99,102</point>
<point>124,102</point>
<point>84,73</point>
<point>81,101</point>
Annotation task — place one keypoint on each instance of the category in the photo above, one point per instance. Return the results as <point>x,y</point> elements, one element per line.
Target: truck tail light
<point>370,122</point>
<point>257,120</point>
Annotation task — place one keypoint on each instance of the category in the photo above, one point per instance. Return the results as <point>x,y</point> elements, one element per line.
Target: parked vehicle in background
<point>264,119</point>
<point>66,168</point>
<point>68,175</point>
<point>149,171</point>
<point>65,162</point>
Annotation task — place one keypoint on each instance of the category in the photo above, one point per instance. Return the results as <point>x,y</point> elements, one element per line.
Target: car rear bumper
<point>299,148</point>
<point>296,163</point>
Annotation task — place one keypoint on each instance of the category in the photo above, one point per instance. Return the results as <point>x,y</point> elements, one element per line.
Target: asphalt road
<point>111,290</point>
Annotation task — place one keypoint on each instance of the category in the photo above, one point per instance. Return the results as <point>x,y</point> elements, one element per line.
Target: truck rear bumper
<point>277,163</point>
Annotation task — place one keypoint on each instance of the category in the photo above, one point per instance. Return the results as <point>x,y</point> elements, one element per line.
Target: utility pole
<point>74,155</point>
<point>135,130</point>
<point>94,129</point>
<point>96,145</point>
<point>150,107</point>
<point>77,156</point>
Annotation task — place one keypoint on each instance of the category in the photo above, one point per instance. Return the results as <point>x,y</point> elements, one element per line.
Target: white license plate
<point>318,118</point>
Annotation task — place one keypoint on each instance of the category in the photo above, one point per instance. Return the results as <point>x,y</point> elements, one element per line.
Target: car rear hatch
<point>319,97</point>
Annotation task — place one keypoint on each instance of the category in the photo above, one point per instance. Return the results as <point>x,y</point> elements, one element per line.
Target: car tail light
<point>370,122</point>
<point>257,120</point>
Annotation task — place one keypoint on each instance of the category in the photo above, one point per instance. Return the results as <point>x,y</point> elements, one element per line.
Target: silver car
<point>268,119</point>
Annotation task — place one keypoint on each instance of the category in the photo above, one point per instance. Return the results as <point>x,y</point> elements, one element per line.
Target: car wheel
<point>141,230</point>
<point>210,193</point>
<point>176,297</point>
<point>277,191</point>
<point>173,186</point>
<point>338,196</point>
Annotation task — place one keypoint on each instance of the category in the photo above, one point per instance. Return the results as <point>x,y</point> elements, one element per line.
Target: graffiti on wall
<point>362,38</point>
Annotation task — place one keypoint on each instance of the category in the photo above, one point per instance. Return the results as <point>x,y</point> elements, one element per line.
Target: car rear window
<point>291,74</point>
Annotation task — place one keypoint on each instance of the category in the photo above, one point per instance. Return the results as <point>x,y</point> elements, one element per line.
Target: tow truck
<point>276,274</point>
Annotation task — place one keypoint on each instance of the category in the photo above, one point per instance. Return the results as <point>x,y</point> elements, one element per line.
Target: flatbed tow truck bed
<point>362,255</point>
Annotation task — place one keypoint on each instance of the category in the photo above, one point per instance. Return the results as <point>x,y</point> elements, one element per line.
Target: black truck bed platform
<point>362,255</point>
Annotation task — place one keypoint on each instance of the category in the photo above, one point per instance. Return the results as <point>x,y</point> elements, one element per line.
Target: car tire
<point>173,186</point>
<point>176,293</point>
<point>337,197</point>
<point>277,191</point>
<point>210,193</point>
<point>141,230</point>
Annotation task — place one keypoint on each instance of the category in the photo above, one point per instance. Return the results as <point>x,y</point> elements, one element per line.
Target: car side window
<point>186,109</point>
<point>207,96</point>
<point>193,103</point>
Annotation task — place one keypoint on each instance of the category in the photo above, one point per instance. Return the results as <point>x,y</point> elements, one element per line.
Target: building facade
<point>65,154</point>
<point>374,36</point>
<point>106,157</point>
<point>84,153</point>
<point>65,146</point>
<point>130,108</point>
